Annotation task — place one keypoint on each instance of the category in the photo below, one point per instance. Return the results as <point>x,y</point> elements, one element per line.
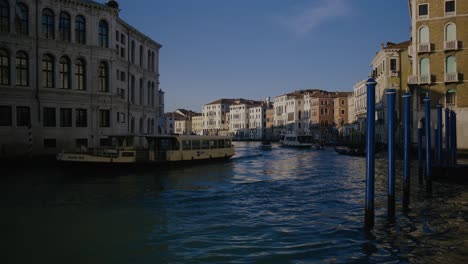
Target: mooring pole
<point>370,159</point>
<point>406,149</point>
<point>439,134</point>
<point>427,103</point>
<point>391,94</point>
<point>420,151</point>
<point>447,136</point>
<point>454,136</point>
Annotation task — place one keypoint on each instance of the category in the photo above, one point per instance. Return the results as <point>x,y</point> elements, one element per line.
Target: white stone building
<point>215,120</point>
<point>83,75</point>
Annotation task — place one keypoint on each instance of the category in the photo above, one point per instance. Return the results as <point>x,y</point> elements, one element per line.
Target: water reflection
<point>278,206</point>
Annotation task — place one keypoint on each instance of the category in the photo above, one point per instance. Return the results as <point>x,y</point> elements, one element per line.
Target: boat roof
<point>193,137</point>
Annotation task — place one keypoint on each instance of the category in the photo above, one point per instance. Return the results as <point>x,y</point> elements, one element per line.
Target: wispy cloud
<point>303,21</point>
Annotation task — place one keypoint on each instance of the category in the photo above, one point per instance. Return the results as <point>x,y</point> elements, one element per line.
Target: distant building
<point>360,106</point>
<point>340,111</point>
<point>84,75</point>
<point>197,124</point>
<point>214,116</point>
<point>390,70</point>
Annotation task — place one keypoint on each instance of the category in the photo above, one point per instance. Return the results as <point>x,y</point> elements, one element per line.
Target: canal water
<point>278,206</point>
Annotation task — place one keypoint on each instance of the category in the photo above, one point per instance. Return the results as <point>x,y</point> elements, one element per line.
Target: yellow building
<point>390,69</point>
<point>439,59</point>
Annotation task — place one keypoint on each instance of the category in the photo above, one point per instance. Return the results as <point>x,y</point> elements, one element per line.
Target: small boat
<point>161,149</point>
<point>319,146</point>
<point>350,151</point>
<point>265,145</point>
<point>296,141</point>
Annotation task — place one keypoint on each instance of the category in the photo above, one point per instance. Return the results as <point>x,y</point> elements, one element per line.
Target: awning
<point>422,91</point>
<point>452,91</point>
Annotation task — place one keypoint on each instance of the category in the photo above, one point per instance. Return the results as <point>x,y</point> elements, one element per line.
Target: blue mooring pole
<point>453,137</point>
<point>370,159</point>
<point>447,136</point>
<point>391,94</point>
<point>427,117</point>
<point>439,134</point>
<point>406,149</point>
<point>420,151</point>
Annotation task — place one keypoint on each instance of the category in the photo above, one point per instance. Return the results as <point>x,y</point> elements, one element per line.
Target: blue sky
<point>252,49</point>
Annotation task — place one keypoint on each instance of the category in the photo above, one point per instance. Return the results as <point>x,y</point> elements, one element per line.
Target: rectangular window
<point>23,116</point>
<point>49,117</point>
<point>5,115</point>
<point>117,35</point>
<point>195,144</point>
<point>65,117</point>
<point>122,38</point>
<point>449,7</point>
<point>81,118</point>
<point>423,10</point>
<point>120,117</point>
<point>186,145</point>
<point>104,118</point>
<point>50,143</point>
<point>393,65</point>
<point>81,142</point>
<point>122,76</point>
<point>122,52</point>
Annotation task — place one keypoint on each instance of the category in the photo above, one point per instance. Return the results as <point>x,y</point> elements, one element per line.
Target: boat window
<point>195,144</point>
<point>213,144</point>
<point>128,154</point>
<point>221,143</point>
<point>175,144</point>
<point>228,143</point>
<point>205,144</point>
<point>185,144</point>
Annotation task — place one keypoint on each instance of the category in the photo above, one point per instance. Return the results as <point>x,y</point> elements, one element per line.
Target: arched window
<point>22,69</point>
<point>64,73</point>
<point>103,77</point>
<point>80,74</point>
<point>424,67</point>
<point>148,93</point>
<point>4,16</point>
<point>48,23</point>
<point>152,61</point>
<point>149,60</point>
<point>103,34</point>
<point>152,93</point>
<point>132,125</point>
<point>80,29</point>
<point>450,32</point>
<point>141,92</point>
<point>132,53</point>
<point>4,67</point>
<point>141,126</point>
<point>22,19</point>
<point>451,64</point>
<point>148,125</point>
<point>64,26</point>
<point>423,35</point>
<point>48,71</point>
<point>141,55</point>
<point>450,97</point>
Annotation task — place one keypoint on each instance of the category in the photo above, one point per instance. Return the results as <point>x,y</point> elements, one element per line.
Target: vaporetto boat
<point>160,149</point>
<point>297,141</point>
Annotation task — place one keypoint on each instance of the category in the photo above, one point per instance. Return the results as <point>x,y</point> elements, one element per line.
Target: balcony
<point>424,47</point>
<point>413,79</point>
<point>425,79</point>
<point>422,79</point>
<point>394,74</point>
<point>451,77</point>
<point>451,45</point>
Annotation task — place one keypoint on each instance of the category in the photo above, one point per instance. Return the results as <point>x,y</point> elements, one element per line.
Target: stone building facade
<point>440,59</point>
<point>71,74</point>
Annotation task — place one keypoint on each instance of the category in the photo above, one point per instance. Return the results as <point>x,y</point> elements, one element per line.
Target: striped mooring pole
<point>370,158</point>
<point>391,95</point>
